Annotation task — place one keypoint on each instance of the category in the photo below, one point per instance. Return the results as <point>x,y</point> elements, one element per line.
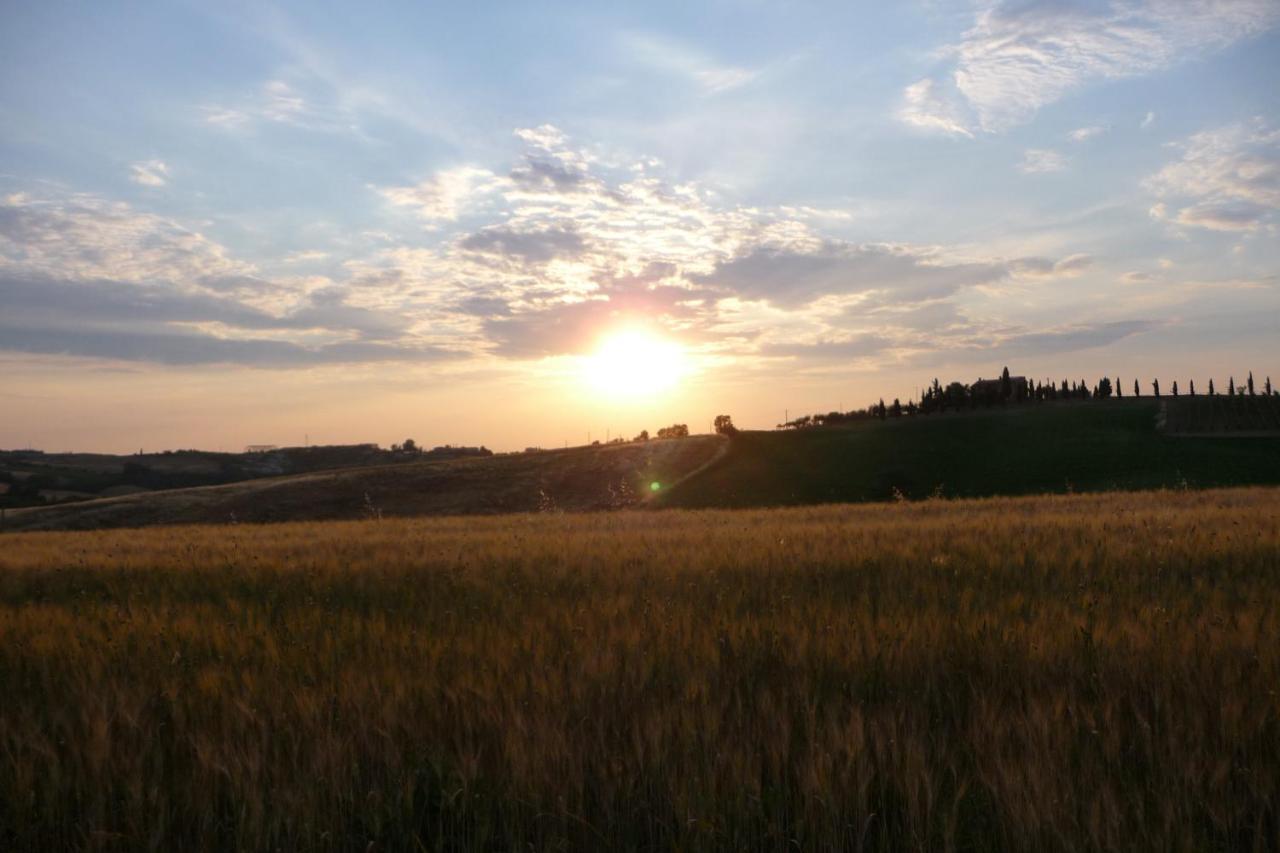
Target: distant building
<point>259,448</point>
<point>989,389</point>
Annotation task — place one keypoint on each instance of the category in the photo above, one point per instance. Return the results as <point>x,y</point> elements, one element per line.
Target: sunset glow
<point>635,364</point>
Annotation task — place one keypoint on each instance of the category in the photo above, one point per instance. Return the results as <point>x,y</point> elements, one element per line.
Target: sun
<point>634,363</point>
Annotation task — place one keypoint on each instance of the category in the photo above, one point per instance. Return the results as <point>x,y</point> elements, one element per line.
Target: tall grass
<point>1070,673</point>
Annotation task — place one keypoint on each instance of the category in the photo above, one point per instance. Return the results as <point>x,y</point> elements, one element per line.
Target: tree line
<point>958,396</point>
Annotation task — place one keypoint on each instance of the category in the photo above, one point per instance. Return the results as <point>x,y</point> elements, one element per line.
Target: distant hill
<point>1006,450</point>
<point>33,478</point>
<point>585,478</point>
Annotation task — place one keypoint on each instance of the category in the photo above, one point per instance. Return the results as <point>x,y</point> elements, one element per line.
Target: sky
<point>225,224</point>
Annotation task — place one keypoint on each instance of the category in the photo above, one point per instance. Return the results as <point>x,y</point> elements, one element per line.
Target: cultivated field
<point>1066,673</point>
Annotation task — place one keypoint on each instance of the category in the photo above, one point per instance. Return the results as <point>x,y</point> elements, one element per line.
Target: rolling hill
<point>583,478</point>
<point>1013,450</point>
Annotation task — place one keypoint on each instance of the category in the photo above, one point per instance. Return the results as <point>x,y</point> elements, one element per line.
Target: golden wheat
<point>1073,673</point>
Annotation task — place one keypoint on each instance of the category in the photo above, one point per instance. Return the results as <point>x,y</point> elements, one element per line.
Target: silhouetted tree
<point>1006,387</point>
<point>643,436</point>
<point>1136,391</point>
<point>1104,388</point>
<point>1250,383</point>
<point>1175,387</point>
<point>1155,387</point>
<point>1267,386</point>
<point>881,413</point>
<point>896,409</point>
<point>1191,387</point>
<point>674,431</point>
<point>1212,393</point>
<point>724,425</point>
<point>1119,389</point>
<point>1231,386</point>
<point>409,446</point>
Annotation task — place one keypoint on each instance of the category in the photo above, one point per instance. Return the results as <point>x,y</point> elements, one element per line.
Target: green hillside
<point>1027,449</point>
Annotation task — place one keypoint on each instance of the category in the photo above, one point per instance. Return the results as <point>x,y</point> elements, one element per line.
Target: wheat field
<point>1067,673</point>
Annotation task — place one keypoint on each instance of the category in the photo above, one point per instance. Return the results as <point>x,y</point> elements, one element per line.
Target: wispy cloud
<point>1037,161</point>
<point>1018,57</point>
<point>281,102</point>
<point>150,173</point>
<point>926,105</point>
<point>1084,134</point>
<point>447,194</point>
<point>1227,179</point>
<point>673,57</point>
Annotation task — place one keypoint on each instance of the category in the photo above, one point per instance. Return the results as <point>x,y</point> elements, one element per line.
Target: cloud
<point>282,103</point>
<point>790,277</point>
<point>1037,161</point>
<point>579,246</point>
<point>1020,56</point>
<point>574,327</point>
<point>1069,338</point>
<point>926,106</point>
<point>304,257</point>
<point>448,194</point>
<point>172,325</point>
<point>1084,134</point>
<point>530,247</point>
<point>189,349</point>
<point>86,237</point>
<point>131,285</point>
<point>151,173</point>
<point>1227,179</point>
<point>1147,120</point>
<point>842,349</point>
<point>1068,267</point>
<point>671,57</point>
<point>540,257</point>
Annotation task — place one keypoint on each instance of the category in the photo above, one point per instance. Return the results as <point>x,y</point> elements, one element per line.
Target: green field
<point>1219,414</point>
<point>1091,672</point>
<point>1013,450</point>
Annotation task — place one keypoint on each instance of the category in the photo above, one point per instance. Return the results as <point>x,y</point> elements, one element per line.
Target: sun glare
<point>635,363</point>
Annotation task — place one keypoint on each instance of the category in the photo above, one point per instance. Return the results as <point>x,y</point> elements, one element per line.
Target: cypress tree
<point>1250,383</point>
<point>1193,387</point>
<point>1267,387</point>
<point>1136,391</point>
<point>1175,387</point>
<point>1155,386</point>
<point>1231,386</point>
<point>1211,391</point>
<point>1119,388</point>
